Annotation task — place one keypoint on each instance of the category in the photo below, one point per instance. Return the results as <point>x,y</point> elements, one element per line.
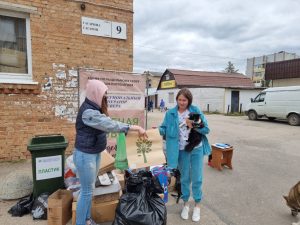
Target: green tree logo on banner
<point>143,147</point>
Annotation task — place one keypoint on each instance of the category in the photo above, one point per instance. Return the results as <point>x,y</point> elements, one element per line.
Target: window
<point>15,47</point>
<point>171,97</point>
<point>260,98</point>
<point>257,74</point>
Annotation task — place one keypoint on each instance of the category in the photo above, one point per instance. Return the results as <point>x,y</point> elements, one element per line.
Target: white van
<point>276,103</point>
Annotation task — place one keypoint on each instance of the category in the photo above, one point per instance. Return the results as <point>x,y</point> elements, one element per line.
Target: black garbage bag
<point>141,205</point>
<point>134,183</point>
<point>39,208</point>
<point>22,207</point>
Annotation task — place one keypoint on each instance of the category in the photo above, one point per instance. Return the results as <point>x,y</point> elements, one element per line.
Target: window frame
<point>258,97</point>
<point>171,96</point>
<point>20,78</point>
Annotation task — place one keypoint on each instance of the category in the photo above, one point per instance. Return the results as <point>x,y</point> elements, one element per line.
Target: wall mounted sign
<point>168,84</point>
<point>103,28</point>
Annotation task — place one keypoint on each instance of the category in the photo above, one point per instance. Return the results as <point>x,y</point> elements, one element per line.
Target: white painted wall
<point>201,97</point>
<point>164,94</point>
<point>245,97</point>
<point>217,98</point>
<point>212,96</point>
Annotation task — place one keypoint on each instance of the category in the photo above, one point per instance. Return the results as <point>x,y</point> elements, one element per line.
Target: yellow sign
<point>168,84</point>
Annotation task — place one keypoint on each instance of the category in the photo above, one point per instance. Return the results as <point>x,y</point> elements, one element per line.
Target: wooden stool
<point>221,157</point>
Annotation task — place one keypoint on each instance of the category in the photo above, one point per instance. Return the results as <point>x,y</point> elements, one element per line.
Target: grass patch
<point>235,114</point>
<point>212,112</point>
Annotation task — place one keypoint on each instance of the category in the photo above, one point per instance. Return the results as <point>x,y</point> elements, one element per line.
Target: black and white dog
<point>195,137</point>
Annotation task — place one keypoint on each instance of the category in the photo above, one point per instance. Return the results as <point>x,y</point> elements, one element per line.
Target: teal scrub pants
<point>190,166</point>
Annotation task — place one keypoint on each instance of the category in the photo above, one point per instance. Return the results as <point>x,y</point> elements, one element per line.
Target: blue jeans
<point>190,166</point>
<point>87,166</point>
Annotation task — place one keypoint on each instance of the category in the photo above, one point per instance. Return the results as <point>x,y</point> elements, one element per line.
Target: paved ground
<point>266,165</point>
<point>208,216</point>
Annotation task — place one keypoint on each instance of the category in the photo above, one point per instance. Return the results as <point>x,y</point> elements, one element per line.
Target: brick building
<point>42,44</point>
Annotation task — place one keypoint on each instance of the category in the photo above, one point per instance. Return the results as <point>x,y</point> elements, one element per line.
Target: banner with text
<point>125,97</point>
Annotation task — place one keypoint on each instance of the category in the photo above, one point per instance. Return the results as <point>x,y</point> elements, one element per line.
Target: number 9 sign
<point>118,30</point>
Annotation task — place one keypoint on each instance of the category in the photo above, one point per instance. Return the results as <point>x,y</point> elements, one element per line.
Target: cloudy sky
<point>206,34</point>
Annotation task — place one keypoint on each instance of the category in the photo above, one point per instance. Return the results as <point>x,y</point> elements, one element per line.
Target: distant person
<point>162,105</point>
<point>151,105</point>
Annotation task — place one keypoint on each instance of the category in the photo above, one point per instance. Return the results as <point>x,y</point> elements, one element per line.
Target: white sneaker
<point>185,212</point>
<point>196,214</point>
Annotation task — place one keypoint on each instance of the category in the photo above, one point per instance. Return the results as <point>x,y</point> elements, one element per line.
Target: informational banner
<point>48,167</point>
<point>144,152</point>
<point>125,97</point>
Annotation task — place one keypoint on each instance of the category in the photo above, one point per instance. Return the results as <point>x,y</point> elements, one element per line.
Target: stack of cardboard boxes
<point>106,195</point>
<point>62,204</point>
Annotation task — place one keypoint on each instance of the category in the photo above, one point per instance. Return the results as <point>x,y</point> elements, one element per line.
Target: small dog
<point>195,137</point>
<point>293,200</point>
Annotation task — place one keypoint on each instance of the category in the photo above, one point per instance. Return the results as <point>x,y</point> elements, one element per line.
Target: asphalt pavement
<point>265,166</point>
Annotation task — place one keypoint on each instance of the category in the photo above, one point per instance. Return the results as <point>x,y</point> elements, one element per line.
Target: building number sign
<point>103,28</point>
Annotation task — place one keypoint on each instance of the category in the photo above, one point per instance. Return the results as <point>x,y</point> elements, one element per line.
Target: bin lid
<point>43,142</point>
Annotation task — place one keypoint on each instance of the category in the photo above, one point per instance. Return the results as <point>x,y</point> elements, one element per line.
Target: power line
<point>168,52</point>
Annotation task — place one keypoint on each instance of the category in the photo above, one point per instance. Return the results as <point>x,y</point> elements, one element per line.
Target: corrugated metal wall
<point>283,70</point>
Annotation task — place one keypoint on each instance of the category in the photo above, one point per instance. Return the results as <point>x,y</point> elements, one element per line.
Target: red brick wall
<point>58,49</point>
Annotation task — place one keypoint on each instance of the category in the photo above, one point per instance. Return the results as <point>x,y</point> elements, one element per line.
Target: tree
<point>230,68</point>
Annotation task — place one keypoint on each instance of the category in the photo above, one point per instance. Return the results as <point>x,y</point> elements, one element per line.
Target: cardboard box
<point>74,205</point>
<point>121,178</point>
<point>101,212</point>
<point>60,207</point>
<point>106,193</point>
<point>107,163</point>
<point>107,197</point>
<point>104,212</point>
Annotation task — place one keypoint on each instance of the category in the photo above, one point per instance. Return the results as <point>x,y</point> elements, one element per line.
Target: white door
<point>260,104</point>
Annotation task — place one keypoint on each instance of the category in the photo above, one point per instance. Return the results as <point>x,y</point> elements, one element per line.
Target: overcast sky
<point>206,34</point>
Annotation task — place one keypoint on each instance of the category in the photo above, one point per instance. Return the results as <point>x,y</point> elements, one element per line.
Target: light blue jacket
<point>170,129</point>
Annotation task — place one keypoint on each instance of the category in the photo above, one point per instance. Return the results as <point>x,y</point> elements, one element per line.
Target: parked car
<point>276,103</point>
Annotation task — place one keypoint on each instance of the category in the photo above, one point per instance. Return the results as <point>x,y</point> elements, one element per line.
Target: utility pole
<point>147,86</point>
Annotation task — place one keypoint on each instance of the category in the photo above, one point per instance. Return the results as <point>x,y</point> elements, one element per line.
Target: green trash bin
<point>48,159</point>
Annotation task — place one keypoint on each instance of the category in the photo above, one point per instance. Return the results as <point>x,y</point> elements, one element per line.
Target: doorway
<point>235,100</point>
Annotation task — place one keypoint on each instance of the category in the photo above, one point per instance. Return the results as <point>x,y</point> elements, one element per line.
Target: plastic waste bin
<point>48,157</point>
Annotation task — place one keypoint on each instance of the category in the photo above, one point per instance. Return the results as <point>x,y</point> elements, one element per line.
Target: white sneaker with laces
<point>196,214</point>
<point>185,212</point>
